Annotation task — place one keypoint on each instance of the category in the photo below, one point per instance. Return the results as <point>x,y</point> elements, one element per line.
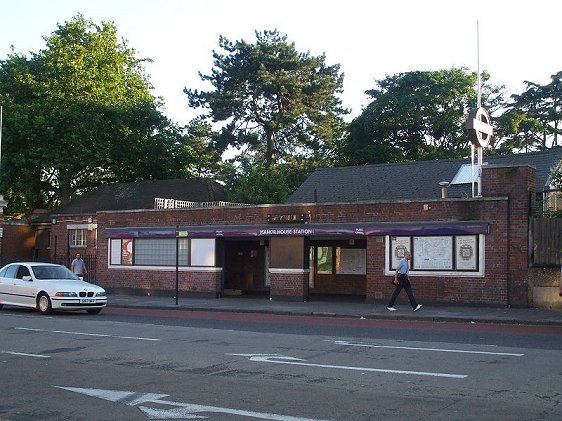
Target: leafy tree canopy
<point>533,119</point>
<point>80,113</point>
<point>417,115</point>
<point>275,102</point>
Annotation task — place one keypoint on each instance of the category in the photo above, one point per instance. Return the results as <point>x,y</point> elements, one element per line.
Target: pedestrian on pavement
<point>402,281</point>
<point>78,266</point>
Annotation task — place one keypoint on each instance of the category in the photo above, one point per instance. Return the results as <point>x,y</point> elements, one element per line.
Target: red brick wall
<point>288,286</point>
<point>505,206</point>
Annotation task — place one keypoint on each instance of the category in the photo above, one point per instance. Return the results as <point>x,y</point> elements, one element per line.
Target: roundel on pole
<point>479,127</point>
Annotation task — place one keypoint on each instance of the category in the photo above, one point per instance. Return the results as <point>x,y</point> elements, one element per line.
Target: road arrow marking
<point>506,354</point>
<point>180,410</point>
<point>282,359</point>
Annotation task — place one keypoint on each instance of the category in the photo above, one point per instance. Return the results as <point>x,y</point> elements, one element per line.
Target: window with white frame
<point>78,237</point>
<point>162,252</point>
<point>447,253</point>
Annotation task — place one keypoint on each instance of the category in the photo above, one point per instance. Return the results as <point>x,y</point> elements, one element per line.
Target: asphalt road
<point>133,364</point>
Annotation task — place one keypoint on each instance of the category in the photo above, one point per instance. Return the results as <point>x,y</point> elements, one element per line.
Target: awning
<point>305,230</point>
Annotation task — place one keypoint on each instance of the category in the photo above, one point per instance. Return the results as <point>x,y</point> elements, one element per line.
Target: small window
<point>78,237</point>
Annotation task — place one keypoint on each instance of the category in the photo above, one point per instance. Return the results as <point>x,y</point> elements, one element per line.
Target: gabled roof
<point>410,180</point>
<point>139,195</point>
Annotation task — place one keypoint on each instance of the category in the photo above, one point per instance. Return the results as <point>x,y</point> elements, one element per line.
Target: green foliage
<point>416,115</point>
<point>79,113</point>
<point>533,120</point>
<point>254,182</point>
<point>276,102</point>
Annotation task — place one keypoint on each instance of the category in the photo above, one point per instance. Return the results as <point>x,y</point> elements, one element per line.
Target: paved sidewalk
<point>345,309</point>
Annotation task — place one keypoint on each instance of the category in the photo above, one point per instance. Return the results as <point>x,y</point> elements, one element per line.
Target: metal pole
<point>478,105</point>
<point>479,97</point>
<point>177,266</point>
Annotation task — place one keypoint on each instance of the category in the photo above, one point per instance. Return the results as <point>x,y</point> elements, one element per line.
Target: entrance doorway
<point>246,267</point>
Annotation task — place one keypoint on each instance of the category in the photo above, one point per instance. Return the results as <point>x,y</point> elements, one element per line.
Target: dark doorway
<point>245,268</point>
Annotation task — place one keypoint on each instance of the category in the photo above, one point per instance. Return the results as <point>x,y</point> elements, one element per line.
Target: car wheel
<point>94,311</point>
<point>44,304</point>
<point>1,305</point>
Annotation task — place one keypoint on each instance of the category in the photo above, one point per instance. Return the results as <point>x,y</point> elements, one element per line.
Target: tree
<point>79,113</point>
<point>417,115</point>
<point>250,181</point>
<point>275,101</point>
<point>533,120</point>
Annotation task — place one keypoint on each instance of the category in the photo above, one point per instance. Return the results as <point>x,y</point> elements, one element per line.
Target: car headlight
<point>100,294</point>
<point>66,294</point>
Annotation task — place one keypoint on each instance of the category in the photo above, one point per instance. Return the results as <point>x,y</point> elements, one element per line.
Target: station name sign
<point>286,231</point>
<point>295,218</point>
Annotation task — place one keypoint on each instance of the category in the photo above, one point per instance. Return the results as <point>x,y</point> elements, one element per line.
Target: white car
<point>48,287</point>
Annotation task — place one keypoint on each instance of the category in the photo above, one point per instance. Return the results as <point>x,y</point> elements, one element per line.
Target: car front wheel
<point>44,304</point>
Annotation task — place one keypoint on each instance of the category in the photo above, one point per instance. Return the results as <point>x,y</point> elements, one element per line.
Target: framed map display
<point>433,253</point>
<point>350,261</point>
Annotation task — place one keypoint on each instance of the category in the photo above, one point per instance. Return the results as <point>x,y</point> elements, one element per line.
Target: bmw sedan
<point>48,287</point>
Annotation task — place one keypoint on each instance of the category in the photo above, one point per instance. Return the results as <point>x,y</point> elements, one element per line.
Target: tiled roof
<point>140,195</point>
<point>409,180</point>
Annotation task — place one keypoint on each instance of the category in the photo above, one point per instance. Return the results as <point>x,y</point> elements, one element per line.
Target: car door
<point>24,289</point>
<point>7,284</point>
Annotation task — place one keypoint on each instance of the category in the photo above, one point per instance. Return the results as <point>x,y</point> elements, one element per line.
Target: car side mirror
<point>26,278</point>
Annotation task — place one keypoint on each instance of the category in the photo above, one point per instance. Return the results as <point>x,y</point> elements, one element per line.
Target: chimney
<point>443,185</point>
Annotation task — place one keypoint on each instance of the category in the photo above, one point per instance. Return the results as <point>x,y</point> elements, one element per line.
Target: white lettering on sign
<point>181,411</point>
<point>286,231</point>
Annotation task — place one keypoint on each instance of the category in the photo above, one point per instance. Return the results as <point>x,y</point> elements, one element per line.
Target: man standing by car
<point>78,266</point>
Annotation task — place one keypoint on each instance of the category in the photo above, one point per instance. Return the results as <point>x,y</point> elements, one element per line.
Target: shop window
<point>324,260</point>
<point>203,252</point>
<point>161,252</point>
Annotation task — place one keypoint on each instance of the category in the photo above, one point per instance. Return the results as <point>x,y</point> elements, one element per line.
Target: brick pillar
<point>376,288</point>
<point>518,184</point>
<point>288,268</point>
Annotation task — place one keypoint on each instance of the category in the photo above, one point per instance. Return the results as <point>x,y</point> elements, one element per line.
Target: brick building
<point>340,234</point>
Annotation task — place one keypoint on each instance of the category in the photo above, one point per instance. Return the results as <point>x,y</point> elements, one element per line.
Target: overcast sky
<point>519,40</point>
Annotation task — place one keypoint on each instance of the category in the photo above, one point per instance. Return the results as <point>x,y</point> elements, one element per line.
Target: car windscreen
<point>53,272</point>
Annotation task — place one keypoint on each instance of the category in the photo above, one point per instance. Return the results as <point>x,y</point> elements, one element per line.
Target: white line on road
<point>179,410</point>
<point>282,359</point>
<point>88,334</point>
<point>460,351</point>
<point>23,354</point>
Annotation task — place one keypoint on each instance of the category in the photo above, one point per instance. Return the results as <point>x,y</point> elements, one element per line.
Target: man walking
<point>402,281</point>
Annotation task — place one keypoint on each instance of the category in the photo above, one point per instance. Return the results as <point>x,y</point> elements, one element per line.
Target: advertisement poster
<point>398,248</point>
<point>466,252</point>
<point>127,252</point>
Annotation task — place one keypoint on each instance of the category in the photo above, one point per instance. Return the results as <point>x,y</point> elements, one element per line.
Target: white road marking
<point>23,354</point>
<point>460,351</point>
<point>282,359</point>
<point>101,335</point>
<point>184,411</point>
